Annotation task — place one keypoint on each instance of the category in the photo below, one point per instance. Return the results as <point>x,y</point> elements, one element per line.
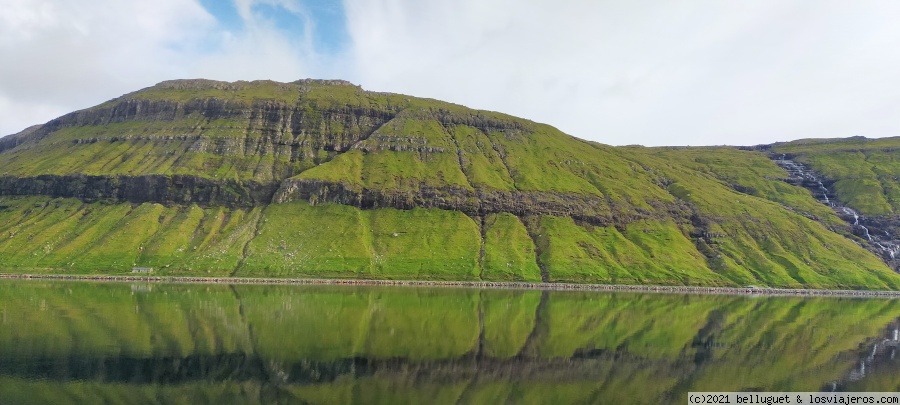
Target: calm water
<point>90,343</point>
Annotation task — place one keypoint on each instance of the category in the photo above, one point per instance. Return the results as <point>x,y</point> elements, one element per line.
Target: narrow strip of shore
<point>754,291</point>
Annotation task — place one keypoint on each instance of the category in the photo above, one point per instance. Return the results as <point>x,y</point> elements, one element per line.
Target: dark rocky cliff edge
<point>175,189</point>
<point>479,202</point>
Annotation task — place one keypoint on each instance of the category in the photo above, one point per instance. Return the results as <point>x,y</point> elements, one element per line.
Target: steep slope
<point>321,178</point>
<point>863,173</point>
<point>858,179</point>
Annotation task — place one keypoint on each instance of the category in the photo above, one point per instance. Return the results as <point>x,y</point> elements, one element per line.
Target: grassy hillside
<point>865,172</point>
<point>324,179</point>
<point>330,240</point>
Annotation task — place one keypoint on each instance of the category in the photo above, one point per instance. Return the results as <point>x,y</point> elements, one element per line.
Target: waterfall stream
<point>805,177</point>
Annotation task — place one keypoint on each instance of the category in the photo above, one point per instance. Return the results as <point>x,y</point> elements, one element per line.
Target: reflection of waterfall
<point>800,175</point>
<point>883,350</point>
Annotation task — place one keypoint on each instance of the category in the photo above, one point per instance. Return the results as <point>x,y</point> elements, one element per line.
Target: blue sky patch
<point>225,12</point>
<point>331,24</point>
<point>328,20</point>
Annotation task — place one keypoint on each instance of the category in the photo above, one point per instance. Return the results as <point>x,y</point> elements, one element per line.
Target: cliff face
<point>263,139</point>
<point>272,170</point>
<point>174,189</point>
<point>477,202</point>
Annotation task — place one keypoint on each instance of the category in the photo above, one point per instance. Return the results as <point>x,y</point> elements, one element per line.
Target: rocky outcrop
<point>174,189</point>
<point>478,202</point>
<point>11,141</point>
<point>324,82</point>
<point>186,189</point>
<point>292,133</point>
<point>136,109</point>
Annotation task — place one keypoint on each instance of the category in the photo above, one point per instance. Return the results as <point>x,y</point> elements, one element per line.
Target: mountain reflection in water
<point>82,342</point>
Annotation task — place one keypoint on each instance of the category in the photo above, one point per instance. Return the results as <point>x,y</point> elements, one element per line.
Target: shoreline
<point>511,285</point>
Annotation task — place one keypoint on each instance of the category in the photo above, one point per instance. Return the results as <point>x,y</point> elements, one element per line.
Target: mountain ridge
<point>490,196</point>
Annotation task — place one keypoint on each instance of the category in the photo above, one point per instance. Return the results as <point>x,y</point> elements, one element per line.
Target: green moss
<point>509,253</point>
<point>424,244</point>
<point>483,166</point>
<point>297,239</point>
<point>116,249</point>
<point>643,254</point>
<point>404,154</point>
<point>171,243</point>
<point>752,173</point>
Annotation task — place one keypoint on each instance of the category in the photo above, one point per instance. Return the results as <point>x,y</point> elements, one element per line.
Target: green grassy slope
<point>481,196</point>
<point>753,238</point>
<point>415,150</point>
<point>750,173</point>
<point>262,130</point>
<point>331,240</point>
<point>864,171</point>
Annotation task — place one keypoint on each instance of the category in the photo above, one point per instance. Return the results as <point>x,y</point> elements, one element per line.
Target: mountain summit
<point>319,178</point>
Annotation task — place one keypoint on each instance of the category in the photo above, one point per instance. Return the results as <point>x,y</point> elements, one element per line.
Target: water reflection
<point>118,343</point>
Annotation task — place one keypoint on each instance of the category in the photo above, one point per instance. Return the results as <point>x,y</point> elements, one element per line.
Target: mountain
<point>319,178</point>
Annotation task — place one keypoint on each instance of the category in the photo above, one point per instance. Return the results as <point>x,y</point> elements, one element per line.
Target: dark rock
<point>478,202</point>
<point>174,189</point>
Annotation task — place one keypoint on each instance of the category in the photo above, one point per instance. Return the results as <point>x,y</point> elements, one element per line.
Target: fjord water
<point>86,342</point>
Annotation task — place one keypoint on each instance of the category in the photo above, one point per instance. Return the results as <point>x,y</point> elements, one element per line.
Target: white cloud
<point>61,55</point>
<point>262,51</point>
<point>651,72</point>
<point>57,56</point>
<point>23,114</point>
<point>619,72</point>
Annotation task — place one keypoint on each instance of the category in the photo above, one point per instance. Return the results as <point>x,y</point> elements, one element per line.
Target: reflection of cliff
<point>393,345</point>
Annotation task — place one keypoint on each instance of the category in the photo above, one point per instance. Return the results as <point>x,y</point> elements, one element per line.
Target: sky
<point>650,72</point>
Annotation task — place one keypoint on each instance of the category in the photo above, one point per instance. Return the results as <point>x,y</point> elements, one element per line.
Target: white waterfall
<point>825,194</point>
<point>851,212</point>
<point>802,175</point>
<point>856,223</point>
